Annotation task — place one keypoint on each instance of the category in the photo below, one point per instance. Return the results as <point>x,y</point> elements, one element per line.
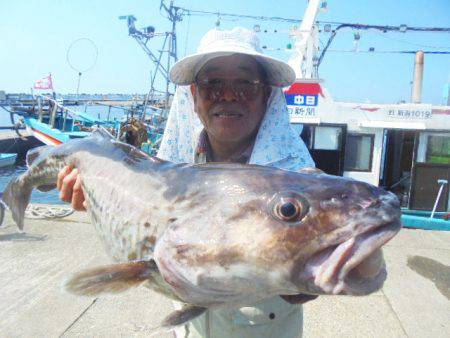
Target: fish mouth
<point>353,267</point>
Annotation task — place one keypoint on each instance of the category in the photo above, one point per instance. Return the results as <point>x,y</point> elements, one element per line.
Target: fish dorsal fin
<point>102,133</point>
<point>310,170</point>
<point>133,152</point>
<point>134,155</point>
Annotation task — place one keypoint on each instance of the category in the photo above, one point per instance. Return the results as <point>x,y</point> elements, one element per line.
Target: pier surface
<point>413,303</point>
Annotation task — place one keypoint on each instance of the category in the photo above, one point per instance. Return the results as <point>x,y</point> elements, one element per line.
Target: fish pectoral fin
<point>101,132</point>
<point>300,298</point>
<point>175,319</point>
<point>182,316</point>
<point>111,278</point>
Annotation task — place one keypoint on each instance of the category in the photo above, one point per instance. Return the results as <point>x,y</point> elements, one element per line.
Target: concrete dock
<point>415,301</point>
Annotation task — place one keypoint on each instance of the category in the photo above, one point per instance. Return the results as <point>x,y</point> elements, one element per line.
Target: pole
<point>78,85</point>
<point>305,43</point>
<point>442,183</point>
<point>416,94</point>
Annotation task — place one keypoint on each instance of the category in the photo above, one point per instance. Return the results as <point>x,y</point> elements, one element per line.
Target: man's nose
<point>228,93</point>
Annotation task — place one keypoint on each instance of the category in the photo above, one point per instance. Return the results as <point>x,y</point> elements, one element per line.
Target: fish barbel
<point>217,234</point>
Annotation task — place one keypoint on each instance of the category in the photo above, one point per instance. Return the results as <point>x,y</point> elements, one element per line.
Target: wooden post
<point>39,103</point>
<point>64,120</point>
<point>53,114</point>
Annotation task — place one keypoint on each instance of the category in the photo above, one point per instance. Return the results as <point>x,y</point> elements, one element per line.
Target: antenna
<point>143,37</point>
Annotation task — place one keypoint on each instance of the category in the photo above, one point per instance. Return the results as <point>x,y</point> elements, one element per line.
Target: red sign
<point>305,89</point>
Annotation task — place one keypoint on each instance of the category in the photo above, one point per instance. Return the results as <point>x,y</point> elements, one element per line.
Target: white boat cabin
<point>404,148</point>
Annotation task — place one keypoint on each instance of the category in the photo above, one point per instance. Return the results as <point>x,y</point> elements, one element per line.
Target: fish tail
<point>17,197</point>
<point>2,209</point>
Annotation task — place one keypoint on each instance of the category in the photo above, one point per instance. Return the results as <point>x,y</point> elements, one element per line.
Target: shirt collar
<point>203,152</point>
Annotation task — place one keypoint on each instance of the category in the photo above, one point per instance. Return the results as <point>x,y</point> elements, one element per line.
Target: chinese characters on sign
<point>301,105</point>
<point>302,111</point>
<point>301,100</point>
<point>409,114</point>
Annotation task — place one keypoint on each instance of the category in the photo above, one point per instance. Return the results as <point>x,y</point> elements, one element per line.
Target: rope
<point>37,211</point>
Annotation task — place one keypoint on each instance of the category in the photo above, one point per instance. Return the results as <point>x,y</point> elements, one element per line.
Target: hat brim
<point>279,73</point>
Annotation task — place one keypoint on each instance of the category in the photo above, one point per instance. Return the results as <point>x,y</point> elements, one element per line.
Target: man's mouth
<point>227,115</point>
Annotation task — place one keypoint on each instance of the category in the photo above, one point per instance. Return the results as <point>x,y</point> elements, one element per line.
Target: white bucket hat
<point>239,40</point>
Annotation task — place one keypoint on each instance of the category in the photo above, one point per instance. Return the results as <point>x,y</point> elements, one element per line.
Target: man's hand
<point>70,190</point>
<point>298,299</point>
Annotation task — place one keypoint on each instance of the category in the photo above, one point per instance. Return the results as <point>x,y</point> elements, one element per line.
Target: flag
<point>44,83</point>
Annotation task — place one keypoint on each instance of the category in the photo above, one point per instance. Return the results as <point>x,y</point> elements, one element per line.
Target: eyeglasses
<point>244,90</point>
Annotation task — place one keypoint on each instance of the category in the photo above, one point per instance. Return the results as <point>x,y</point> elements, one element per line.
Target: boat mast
<point>143,36</point>
<point>306,41</point>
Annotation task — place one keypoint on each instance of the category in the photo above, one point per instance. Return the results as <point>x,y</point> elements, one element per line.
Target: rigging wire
<point>260,18</point>
<point>384,28</point>
<point>410,43</point>
<point>402,28</point>
<point>389,51</point>
<point>9,111</point>
<point>187,34</point>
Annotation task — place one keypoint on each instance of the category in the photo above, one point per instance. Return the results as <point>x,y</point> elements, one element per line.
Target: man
<point>229,107</point>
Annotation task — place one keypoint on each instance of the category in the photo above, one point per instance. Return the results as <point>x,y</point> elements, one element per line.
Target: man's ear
<point>193,88</point>
<point>267,92</point>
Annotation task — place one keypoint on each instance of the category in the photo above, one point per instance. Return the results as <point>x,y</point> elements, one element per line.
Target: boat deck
<point>10,142</point>
<point>33,304</point>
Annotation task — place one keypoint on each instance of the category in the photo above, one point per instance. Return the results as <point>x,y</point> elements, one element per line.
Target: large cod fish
<point>215,235</point>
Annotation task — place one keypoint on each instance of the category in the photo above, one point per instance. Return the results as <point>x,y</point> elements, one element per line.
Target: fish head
<point>261,232</point>
<point>336,247</point>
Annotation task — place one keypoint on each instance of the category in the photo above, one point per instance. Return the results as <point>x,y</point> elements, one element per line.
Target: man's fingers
<point>67,183</point>
<point>61,175</point>
<point>78,195</point>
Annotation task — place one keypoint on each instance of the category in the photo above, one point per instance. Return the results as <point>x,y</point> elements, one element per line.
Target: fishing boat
<point>7,159</point>
<point>404,148</point>
<point>55,123</point>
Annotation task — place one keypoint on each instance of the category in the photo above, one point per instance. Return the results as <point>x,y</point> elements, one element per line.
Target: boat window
<point>438,149</point>
<point>434,147</point>
<point>327,138</point>
<point>358,152</point>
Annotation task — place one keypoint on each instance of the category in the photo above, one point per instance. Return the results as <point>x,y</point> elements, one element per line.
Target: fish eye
<point>289,207</point>
<point>288,210</point>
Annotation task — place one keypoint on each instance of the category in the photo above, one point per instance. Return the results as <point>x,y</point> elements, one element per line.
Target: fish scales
<point>119,206</point>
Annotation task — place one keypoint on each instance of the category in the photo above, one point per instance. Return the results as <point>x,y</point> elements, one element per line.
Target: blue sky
<point>36,35</point>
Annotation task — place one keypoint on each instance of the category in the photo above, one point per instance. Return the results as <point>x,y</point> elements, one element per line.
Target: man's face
<point>230,98</point>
